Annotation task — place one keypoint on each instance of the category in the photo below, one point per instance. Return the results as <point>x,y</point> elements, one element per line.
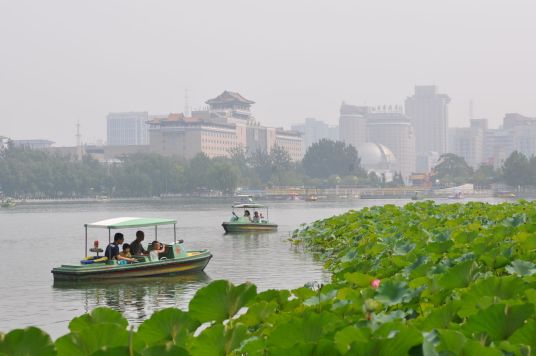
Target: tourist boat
<point>246,224</point>
<point>294,196</point>
<point>312,197</point>
<point>457,195</point>
<point>8,203</point>
<point>505,195</point>
<point>175,260</point>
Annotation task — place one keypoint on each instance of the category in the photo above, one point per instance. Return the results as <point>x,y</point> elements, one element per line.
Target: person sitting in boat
<point>126,251</point>
<point>112,250</point>
<point>157,249</point>
<point>136,248</point>
<point>247,215</point>
<point>256,217</point>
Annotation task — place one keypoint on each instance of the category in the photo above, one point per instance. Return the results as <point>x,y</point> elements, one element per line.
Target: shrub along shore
<point>423,279</point>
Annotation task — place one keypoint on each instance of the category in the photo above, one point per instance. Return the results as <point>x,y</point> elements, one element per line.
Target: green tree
<point>198,172</point>
<point>223,175</point>
<point>453,169</point>
<point>327,157</point>
<point>261,163</point>
<point>516,170</point>
<point>484,176</point>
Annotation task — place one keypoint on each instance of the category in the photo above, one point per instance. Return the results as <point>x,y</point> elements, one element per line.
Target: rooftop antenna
<point>78,141</point>
<point>186,105</point>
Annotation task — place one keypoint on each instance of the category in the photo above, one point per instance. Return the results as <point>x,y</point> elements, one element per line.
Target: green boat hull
<point>248,227</point>
<point>103,271</point>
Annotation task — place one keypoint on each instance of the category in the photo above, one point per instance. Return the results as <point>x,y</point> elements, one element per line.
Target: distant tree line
<point>517,170</point>
<point>33,173</point>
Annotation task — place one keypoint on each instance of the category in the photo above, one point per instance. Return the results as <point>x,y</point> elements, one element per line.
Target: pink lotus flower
<point>375,283</point>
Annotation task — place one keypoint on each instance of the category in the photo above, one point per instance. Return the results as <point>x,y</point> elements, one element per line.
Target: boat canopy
<point>129,222</point>
<point>249,206</point>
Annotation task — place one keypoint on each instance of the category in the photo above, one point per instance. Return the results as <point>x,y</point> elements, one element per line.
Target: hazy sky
<point>69,60</point>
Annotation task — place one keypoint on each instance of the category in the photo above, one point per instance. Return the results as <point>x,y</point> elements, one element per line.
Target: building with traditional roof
<point>230,106</point>
<point>225,125</point>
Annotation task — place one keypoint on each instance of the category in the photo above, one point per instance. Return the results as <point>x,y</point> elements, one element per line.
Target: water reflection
<point>136,298</point>
<point>265,259</point>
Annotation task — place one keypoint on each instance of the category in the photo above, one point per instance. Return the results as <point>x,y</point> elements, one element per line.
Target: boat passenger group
<point>257,218</point>
<point>133,249</point>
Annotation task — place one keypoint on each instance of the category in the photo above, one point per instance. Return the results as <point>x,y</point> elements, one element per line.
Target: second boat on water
<point>248,222</point>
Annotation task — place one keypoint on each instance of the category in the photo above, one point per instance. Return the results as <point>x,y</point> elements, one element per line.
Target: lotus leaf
<point>220,300</point>
<point>219,340</point>
<point>498,322</point>
<point>391,293</point>
<point>29,341</point>
<point>167,325</point>
<point>525,335</point>
<point>92,339</point>
<point>97,316</point>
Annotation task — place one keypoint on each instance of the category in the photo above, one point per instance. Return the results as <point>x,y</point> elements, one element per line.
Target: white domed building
<point>377,158</point>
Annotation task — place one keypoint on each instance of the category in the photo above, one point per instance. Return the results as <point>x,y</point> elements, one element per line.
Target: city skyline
<point>59,68</point>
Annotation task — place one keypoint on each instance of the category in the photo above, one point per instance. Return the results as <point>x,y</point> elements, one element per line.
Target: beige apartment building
<point>177,135</point>
<point>290,141</point>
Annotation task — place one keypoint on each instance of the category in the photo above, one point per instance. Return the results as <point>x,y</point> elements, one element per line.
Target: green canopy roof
<point>129,222</point>
<point>250,206</point>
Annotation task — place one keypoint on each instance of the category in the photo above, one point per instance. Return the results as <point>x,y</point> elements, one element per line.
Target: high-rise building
<point>468,142</point>
<point>428,112</point>
<point>512,120</point>
<point>518,133</point>
<point>314,130</point>
<point>353,124</point>
<point>127,128</point>
<point>394,130</point>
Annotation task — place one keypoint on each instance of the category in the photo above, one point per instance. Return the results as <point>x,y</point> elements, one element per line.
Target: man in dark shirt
<point>112,250</point>
<point>136,248</point>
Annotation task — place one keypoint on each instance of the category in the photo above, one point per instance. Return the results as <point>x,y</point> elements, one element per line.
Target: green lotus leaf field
<point>422,279</point>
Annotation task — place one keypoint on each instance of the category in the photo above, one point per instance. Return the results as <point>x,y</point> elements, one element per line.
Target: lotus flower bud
<point>375,283</point>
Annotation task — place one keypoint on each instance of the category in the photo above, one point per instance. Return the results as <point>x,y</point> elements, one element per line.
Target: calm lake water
<point>37,237</point>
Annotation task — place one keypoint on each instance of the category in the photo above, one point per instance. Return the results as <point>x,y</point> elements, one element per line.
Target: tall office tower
<point>353,124</point>
<point>394,130</point>
<point>428,112</point>
<point>468,142</point>
<point>127,128</point>
<point>314,130</point>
